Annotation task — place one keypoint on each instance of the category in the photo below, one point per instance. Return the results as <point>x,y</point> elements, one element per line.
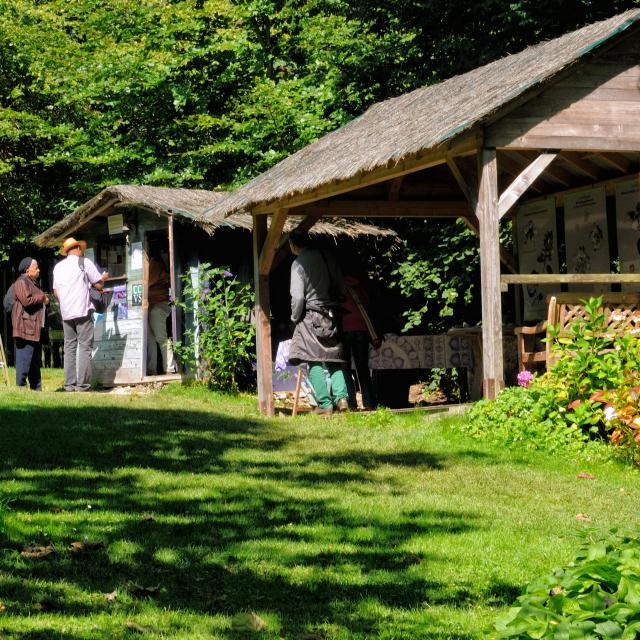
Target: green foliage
<point>524,417</point>
<point>438,277</point>
<point>221,344</point>
<point>595,597</point>
<point>592,366</point>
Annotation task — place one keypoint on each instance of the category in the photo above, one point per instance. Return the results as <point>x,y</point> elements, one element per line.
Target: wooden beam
<point>272,240</point>
<point>569,278</point>
<point>510,166</point>
<point>524,181</point>
<point>394,188</point>
<point>418,162</point>
<point>283,247</point>
<point>580,163</point>
<point>469,185</point>
<point>263,321</point>
<point>383,209</point>
<point>552,172</point>
<point>618,162</point>
<point>488,217</point>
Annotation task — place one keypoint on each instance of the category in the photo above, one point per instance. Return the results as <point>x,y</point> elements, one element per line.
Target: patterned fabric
<point>422,352</point>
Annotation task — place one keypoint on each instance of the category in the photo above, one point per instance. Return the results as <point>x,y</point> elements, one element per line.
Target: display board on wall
<point>628,228</point>
<point>586,236</point>
<point>537,252</point>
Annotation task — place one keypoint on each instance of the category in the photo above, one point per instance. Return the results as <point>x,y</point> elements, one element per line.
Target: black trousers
<point>28,359</point>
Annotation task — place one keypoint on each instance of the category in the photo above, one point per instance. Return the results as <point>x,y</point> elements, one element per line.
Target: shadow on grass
<point>229,529</point>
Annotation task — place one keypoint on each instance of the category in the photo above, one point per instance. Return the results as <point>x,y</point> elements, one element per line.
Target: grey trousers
<point>78,343</point>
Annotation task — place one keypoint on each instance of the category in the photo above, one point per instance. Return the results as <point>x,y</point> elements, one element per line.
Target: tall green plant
<point>220,346</point>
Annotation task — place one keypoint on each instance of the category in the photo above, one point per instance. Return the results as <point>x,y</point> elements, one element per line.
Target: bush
<point>523,417</point>
<point>221,345</point>
<point>595,597</point>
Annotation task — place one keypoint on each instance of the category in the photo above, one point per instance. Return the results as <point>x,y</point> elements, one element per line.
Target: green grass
<point>364,526</point>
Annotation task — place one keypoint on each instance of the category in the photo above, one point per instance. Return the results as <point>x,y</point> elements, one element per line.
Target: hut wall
<point>118,355</point>
<point>596,107</point>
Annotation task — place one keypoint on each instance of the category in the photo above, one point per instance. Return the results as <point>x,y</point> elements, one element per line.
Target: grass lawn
<point>173,511</point>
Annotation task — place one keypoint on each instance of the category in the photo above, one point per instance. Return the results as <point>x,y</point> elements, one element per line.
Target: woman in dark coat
<point>316,282</point>
<point>27,319</point>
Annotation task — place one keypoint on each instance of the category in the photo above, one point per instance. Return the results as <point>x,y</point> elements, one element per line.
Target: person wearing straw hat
<point>71,288</point>
<point>27,321</point>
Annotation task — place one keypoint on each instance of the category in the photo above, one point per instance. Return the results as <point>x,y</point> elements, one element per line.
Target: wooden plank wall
<point>595,108</point>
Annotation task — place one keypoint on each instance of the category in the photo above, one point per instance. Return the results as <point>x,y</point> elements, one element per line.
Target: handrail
<point>568,278</point>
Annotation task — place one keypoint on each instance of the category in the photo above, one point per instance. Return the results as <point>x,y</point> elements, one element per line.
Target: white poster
<point>136,256</point>
<point>586,237</point>
<point>537,252</point>
<point>628,228</point>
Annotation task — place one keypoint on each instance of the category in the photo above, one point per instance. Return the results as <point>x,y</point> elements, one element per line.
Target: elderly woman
<point>27,319</point>
<point>316,285</point>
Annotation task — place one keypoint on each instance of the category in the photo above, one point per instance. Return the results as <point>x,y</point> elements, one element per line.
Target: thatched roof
<point>187,204</point>
<point>402,128</point>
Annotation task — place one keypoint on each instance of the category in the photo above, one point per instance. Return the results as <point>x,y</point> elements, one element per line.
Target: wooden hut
<point>555,118</point>
<point>119,224</point>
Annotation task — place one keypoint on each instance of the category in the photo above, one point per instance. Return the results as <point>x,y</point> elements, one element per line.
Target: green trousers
<point>327,395</point>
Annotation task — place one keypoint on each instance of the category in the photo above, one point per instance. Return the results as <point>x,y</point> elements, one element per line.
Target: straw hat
<point>72,243</point>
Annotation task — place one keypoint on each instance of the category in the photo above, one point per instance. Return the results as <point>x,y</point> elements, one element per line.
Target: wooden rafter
<point>520,185</point>
<point>617,161</point>
<point>558,174</point>
<point>579,162</point>
<point>507,164</point>
<point>272,241</point>
<point>394,188</point>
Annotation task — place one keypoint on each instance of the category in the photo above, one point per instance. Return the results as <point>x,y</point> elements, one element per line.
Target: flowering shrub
<point>221,344</point>
<point>590,392</point>
<point>524,378</point>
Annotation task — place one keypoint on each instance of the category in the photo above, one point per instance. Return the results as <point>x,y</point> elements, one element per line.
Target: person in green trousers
<point>317,289</point>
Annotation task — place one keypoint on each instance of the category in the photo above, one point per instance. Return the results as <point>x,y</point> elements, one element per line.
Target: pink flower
<point>524,378</point>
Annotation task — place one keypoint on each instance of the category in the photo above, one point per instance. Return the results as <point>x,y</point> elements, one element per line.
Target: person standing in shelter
<point>72,278</point>
<point>27,320</point>
<point>159,310</point>
<point>356,336</point>
<point>316,289</point>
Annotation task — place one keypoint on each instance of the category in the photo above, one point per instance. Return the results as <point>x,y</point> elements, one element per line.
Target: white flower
<point>609,413</point>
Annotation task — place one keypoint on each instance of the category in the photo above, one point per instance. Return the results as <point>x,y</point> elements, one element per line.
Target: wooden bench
<point>622,314</point>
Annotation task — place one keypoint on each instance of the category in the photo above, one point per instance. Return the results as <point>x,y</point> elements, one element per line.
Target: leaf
<point>248,622</point>
<point>38,552</point>
<point>111,597</point>
<point>583,517</point>
<point>585,476</point>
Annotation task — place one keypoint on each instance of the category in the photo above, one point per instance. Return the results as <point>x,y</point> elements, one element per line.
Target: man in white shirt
<point>71,288</point>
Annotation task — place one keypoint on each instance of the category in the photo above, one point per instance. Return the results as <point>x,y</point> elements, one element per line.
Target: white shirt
<point>71,288</point>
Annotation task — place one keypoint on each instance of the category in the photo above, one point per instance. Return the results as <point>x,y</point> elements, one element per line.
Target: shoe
<point>327,412</point>
<point>342,405</point>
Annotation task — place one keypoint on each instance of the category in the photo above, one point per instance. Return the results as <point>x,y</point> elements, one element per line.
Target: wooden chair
<point>622,315</point>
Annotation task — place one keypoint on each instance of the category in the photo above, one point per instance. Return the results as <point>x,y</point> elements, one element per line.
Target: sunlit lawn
<point>370,526</point>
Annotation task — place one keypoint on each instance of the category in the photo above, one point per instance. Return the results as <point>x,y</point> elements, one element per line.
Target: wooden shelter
<point>558,116</point>
<point>120,223</point>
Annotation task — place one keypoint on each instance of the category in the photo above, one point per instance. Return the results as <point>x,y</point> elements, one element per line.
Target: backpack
<point>7,301</point>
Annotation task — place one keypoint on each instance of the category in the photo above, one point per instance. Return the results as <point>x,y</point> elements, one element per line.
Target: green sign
<point>136,295</point>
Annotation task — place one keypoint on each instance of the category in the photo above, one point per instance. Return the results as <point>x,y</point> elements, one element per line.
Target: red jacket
<point>27,313</point>
<point>352,320</point>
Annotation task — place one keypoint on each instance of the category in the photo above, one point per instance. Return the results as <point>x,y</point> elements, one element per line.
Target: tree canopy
<point>209,93</point>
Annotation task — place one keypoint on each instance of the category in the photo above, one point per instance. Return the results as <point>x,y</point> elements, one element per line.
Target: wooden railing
<point>568,278</point>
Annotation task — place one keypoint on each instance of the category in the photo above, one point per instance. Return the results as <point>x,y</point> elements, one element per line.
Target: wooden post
<point>488,218</point>
<point>263,320</point>
<point>172,279</point>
